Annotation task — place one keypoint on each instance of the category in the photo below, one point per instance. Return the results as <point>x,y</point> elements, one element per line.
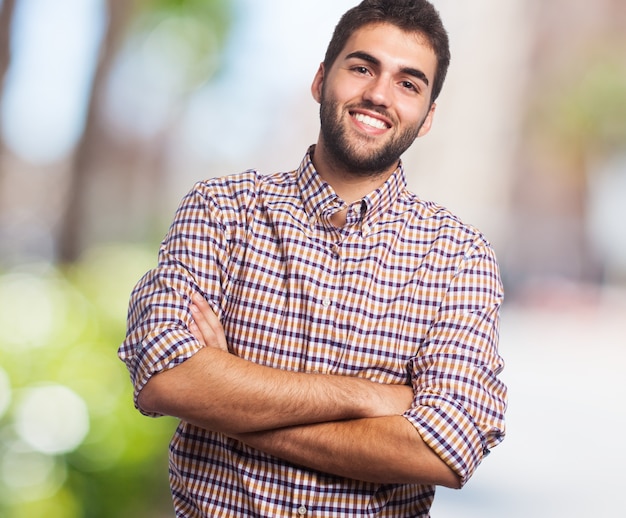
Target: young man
<point>327,339</point>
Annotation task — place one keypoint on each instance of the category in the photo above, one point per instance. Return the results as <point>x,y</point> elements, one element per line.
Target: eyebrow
<point>416,73</point>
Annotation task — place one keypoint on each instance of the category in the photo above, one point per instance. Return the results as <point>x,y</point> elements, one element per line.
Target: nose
<point>378,91</point>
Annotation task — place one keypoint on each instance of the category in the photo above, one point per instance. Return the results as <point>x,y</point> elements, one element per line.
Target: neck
<point>349,186</point>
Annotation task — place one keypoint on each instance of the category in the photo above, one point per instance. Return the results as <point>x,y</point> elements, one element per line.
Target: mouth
<point>370,122</point>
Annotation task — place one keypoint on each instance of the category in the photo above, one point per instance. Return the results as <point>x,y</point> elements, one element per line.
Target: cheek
<point>345,91</point>
<point>411,114</point>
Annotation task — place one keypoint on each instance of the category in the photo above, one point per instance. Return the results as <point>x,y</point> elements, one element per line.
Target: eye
<point>361,69</point>
<point>408,85</point>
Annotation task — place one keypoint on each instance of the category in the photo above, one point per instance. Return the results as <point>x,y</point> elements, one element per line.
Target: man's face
<point>375,99</point>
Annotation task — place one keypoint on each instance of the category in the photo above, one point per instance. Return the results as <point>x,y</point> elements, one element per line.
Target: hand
<point>206,327</point>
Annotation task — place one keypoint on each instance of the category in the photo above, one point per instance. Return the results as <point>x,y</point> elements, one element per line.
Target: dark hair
<point>417,16</point>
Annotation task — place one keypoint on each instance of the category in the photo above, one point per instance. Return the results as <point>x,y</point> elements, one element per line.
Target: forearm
<point>382,450</point>
<point>221,392</point>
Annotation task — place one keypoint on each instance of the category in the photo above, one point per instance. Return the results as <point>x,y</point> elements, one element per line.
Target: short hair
<point>418,16</point>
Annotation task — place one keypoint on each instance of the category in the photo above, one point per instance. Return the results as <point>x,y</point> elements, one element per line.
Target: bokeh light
<point>31,475</point>
<point>28,311</point>
<point>71,442</point>
<point>52,419</point>
<point>36,308</point>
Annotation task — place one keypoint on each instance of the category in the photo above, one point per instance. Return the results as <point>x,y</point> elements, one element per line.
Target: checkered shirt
<point>403,293</point>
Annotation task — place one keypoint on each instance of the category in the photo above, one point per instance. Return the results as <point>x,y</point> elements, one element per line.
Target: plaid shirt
<point>403,293</point>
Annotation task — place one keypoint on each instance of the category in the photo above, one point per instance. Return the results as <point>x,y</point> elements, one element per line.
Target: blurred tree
<point>7,8</point>
<point>185,36</point>
<point>69,241</point>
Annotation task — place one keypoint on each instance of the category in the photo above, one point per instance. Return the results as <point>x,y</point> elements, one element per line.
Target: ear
<point>428,121</point>
<point>318,83</point>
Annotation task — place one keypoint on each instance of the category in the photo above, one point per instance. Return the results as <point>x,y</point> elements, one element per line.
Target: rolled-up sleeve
<point>191,260</point>
<point>459,401</point>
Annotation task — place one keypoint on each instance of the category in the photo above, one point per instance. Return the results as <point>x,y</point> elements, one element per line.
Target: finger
<point>204,316</point>
<point>201,303</point>
<point>195,331</point>
<point>202,325</point>
<point>207,330</point>
<point>208,323</point>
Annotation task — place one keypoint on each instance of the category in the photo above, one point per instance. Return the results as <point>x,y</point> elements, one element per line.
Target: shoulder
<point>245,185</point>
<point>236,199</point>
<point>442,224</point>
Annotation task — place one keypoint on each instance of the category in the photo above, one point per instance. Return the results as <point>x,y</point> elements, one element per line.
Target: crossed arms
<point>345,426</point>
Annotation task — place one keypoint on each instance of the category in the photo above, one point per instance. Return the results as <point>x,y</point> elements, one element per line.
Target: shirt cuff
<point>165,351</point>
<point>450,432</point>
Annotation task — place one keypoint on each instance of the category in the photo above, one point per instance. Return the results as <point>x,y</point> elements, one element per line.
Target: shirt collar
<point>318,196</point>
<point>380,201</point>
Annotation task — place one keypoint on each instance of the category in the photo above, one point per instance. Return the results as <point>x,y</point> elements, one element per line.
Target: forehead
<point>393,47</point>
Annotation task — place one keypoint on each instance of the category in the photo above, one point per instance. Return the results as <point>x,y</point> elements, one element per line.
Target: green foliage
<point>583,112</point>
<point>594,109</point>
<point>187,35</point>
<point>71,443</point>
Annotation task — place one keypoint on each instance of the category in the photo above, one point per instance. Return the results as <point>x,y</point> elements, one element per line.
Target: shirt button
<point>302,510</point>
<point>326,303</point>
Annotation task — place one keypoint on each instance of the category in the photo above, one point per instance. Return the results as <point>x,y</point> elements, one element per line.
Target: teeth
<point>370,121</point>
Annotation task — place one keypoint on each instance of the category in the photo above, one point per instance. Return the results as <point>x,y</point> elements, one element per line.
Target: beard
<point>361,157</point>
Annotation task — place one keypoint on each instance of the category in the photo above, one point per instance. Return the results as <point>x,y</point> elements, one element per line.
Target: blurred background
<point>110,110</point>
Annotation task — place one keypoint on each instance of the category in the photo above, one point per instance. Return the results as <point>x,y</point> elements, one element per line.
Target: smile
<point>370,121</point>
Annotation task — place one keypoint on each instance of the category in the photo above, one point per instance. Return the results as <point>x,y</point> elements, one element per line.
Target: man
<point>327,339</point>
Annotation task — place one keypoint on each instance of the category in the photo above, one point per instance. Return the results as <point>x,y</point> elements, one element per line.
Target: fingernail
<point>194,308</point>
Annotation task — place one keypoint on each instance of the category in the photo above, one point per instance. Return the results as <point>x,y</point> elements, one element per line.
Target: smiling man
<point>327,339</point>
<point>374,102</point>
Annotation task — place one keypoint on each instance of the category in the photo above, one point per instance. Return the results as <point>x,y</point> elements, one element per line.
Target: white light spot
<point>52,419</point>
<point>38,311</point>
<point>31,475</point>
<point>27,312</point>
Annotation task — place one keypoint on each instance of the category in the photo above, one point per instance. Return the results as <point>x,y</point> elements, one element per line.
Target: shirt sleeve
<point>460,402</point>
<point>192,259</point>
